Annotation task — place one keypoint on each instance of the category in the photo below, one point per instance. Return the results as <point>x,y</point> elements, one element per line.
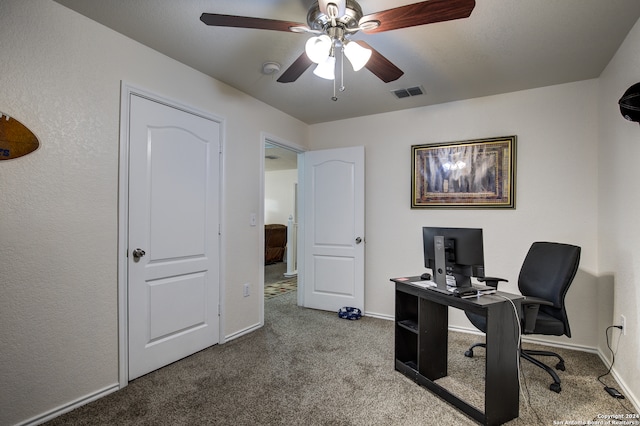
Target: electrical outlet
<point>623,324</point>
<point>246,290</point>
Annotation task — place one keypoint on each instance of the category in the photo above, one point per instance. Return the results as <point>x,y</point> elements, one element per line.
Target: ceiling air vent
<point>411,91</point>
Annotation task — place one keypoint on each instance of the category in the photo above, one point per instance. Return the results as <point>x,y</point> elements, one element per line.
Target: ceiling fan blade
<point>426,12</point>
<point>217,20</point>
<point>340,6</point>
<point>383,68</point>
<point>296,69</point>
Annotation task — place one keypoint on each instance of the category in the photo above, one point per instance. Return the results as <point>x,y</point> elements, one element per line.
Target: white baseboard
<point>42,418</point>
<point>242,332</point>
<point>537,340</point>
<point>624,389</point>
<point>72,405</point>
<point>562,345</point>
<point>380,316</point>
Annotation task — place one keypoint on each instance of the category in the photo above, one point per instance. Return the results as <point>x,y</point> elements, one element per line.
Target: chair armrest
<point>530,307</point>
<point>492,281</point>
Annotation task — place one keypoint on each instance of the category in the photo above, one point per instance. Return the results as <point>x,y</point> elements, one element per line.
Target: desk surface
<point>457,302</point>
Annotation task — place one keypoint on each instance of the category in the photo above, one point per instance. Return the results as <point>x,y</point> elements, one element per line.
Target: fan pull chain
<point>334,97</point>
<point>342,69</point>
<point>342,88</point>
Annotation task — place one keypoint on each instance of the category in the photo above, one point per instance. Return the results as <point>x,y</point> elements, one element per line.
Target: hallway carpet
<point>280,288</point>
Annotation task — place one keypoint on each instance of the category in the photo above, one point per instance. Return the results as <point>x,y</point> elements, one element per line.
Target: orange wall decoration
<point>16,140</point>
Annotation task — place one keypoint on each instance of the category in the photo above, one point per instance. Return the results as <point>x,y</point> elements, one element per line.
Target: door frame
<point>126,91</point>
<point>300,150</point>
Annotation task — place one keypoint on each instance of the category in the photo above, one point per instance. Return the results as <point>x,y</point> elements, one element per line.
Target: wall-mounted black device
<point>630,103</point>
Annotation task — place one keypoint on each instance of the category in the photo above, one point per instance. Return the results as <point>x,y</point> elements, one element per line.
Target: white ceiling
<point>278,158</point>
<point>504,46</point>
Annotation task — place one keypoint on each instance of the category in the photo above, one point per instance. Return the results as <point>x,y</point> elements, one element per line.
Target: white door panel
<point>178,179</point>
<point>173,289</point>
<point>168,317</point>
<point>334,225</point>
<point>330,273</point>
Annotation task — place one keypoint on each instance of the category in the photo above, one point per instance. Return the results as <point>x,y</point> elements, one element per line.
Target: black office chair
<point>545,276</point>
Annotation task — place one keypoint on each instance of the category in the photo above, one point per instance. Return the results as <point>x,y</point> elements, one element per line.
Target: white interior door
<point>334,228</point>
<point>173,254</point>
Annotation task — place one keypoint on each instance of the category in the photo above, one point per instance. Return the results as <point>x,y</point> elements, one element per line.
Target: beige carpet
<point>309,367</point>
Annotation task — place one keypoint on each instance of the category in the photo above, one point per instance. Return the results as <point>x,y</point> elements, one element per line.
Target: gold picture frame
<point>476,173</point>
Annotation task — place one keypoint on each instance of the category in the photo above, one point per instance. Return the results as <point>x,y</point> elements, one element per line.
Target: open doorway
<point>280,218</point>
<point>330,240</point>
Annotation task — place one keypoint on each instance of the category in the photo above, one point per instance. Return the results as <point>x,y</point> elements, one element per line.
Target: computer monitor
<point>456,253</point>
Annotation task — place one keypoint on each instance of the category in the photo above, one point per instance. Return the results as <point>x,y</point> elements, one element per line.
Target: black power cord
<point>524,388</point>
<point>610,390</point>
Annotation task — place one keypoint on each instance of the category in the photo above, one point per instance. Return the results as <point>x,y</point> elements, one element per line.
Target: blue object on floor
<point>350,313</point>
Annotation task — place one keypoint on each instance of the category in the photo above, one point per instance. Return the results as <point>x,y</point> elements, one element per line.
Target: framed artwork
<point>477,173</point>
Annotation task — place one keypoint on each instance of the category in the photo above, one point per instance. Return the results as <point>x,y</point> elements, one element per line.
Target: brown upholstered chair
<point>275,241</point>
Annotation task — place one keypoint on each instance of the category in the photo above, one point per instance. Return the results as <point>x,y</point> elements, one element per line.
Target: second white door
<point>334,228</point>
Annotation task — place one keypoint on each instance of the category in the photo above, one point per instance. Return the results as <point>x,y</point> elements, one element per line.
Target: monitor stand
<point>440,269</point>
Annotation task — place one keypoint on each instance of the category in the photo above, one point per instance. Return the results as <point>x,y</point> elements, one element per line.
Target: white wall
<point>556,189</point>
<point>60,75</point>
<point>619,204</point>
<point>279,195</point>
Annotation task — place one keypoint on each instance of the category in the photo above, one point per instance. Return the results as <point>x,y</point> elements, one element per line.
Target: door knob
<point>137,254</point>
<point>358,240</point>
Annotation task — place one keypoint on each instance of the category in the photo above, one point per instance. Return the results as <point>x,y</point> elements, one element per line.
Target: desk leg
<point>432,339</point>
<point>502,395</point>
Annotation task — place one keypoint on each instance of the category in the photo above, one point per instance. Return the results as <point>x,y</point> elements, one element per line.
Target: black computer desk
<point>421,341</point>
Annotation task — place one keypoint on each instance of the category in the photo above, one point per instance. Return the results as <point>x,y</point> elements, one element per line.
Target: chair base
<point>528,355</point>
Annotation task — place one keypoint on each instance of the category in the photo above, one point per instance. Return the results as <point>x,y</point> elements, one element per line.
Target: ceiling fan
<point>333,22</point>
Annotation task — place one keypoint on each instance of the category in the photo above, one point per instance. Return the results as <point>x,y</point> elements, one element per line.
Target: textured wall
<point>619,205</point>
<point>556,189</point>
<point>60,75</point>
<point>59,211</point>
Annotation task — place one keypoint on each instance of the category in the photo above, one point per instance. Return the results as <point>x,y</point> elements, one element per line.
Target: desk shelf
<point>406,335</point>
<point>410,325</point>
<point>421,341</point>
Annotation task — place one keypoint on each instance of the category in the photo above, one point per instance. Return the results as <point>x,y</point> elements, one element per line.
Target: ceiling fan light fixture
<point>332,11</point>
<point>357,55</point>
<point>318,48</point>
<point>368,25</point>
<point>339,19</point>
<point>326,69</point>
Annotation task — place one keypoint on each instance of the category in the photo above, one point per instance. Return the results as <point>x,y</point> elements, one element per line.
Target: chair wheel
<point>555,387</point>
<point>560,366</point>
<point>469,353</point>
